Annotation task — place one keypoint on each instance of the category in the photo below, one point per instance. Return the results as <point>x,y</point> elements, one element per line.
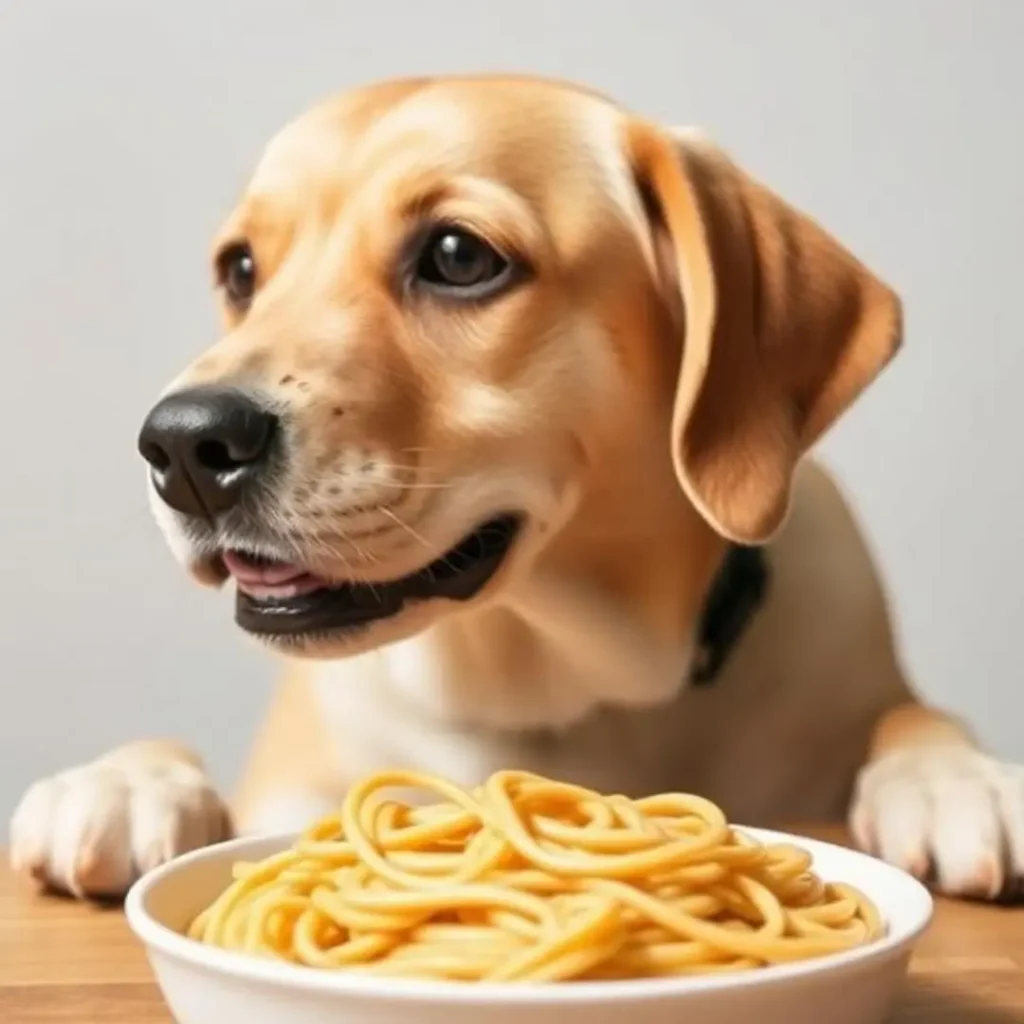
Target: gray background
<point>127,128</point>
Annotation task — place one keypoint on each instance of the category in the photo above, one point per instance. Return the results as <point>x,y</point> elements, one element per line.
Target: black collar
<point>736,594</point>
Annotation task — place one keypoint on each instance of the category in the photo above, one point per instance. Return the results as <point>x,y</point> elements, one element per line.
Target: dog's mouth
<point>283,599</point>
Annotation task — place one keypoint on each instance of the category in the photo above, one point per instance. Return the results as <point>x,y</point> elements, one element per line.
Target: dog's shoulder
<point>826,601</point>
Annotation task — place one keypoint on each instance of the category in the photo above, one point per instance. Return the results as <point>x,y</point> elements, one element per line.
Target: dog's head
<point>455,308</point>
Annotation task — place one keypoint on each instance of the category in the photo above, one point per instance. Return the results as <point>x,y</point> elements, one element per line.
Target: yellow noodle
<point>528,880</point>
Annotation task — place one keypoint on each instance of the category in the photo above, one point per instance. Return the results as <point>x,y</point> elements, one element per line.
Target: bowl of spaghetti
<point>423,901</point>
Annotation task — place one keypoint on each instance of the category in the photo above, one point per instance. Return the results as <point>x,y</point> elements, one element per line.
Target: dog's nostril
<point>245,438</point>
<point>156,456</point>
<point>215,455</point>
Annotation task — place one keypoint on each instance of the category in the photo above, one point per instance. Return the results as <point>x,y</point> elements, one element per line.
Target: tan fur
<point>682,340</point>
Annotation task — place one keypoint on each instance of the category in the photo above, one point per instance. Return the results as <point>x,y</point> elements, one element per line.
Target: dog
<point>506,449</point>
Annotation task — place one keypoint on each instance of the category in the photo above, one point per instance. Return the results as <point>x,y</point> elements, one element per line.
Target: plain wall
<point>127,128</point>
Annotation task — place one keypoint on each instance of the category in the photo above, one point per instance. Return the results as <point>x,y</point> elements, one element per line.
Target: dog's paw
<point>948,815</point>
<point>93,830</point>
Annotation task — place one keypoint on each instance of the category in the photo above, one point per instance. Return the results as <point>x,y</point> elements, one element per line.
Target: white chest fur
<point>445,708</point>
<point>763,746</point>
<point>440,706</point>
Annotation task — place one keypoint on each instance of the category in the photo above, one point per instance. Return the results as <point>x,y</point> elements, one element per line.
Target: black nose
<point>206,445</point>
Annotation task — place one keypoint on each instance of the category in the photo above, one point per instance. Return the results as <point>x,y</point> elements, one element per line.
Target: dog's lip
<point>279,598</point>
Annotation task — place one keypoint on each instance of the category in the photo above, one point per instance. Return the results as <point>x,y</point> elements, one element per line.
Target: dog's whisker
<point>360,552</point>
<point>395,518</point>
<point>337,550</point>
<point>340,554</point>
<point>415,468</point>
<point>431,548</point>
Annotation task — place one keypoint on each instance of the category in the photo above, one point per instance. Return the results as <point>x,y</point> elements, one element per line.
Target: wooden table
<point>61,961</point>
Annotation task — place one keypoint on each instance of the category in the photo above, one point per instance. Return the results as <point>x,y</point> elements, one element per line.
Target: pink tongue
<point>268,574</point>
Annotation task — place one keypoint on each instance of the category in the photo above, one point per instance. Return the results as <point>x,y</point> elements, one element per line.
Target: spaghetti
<point>529,880</point>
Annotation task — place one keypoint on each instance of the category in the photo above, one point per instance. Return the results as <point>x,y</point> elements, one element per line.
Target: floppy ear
<point>783,328</point>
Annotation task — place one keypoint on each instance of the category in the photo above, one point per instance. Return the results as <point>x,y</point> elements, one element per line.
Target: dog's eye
<point>456,262</point>
<point>236,273</point>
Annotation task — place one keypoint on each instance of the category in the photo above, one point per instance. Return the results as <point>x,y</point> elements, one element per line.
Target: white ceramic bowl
<point>204,985</point>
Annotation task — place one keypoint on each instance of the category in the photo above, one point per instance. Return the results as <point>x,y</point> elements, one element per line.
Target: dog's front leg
<point>930,801</point>
<point>92,830</point>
